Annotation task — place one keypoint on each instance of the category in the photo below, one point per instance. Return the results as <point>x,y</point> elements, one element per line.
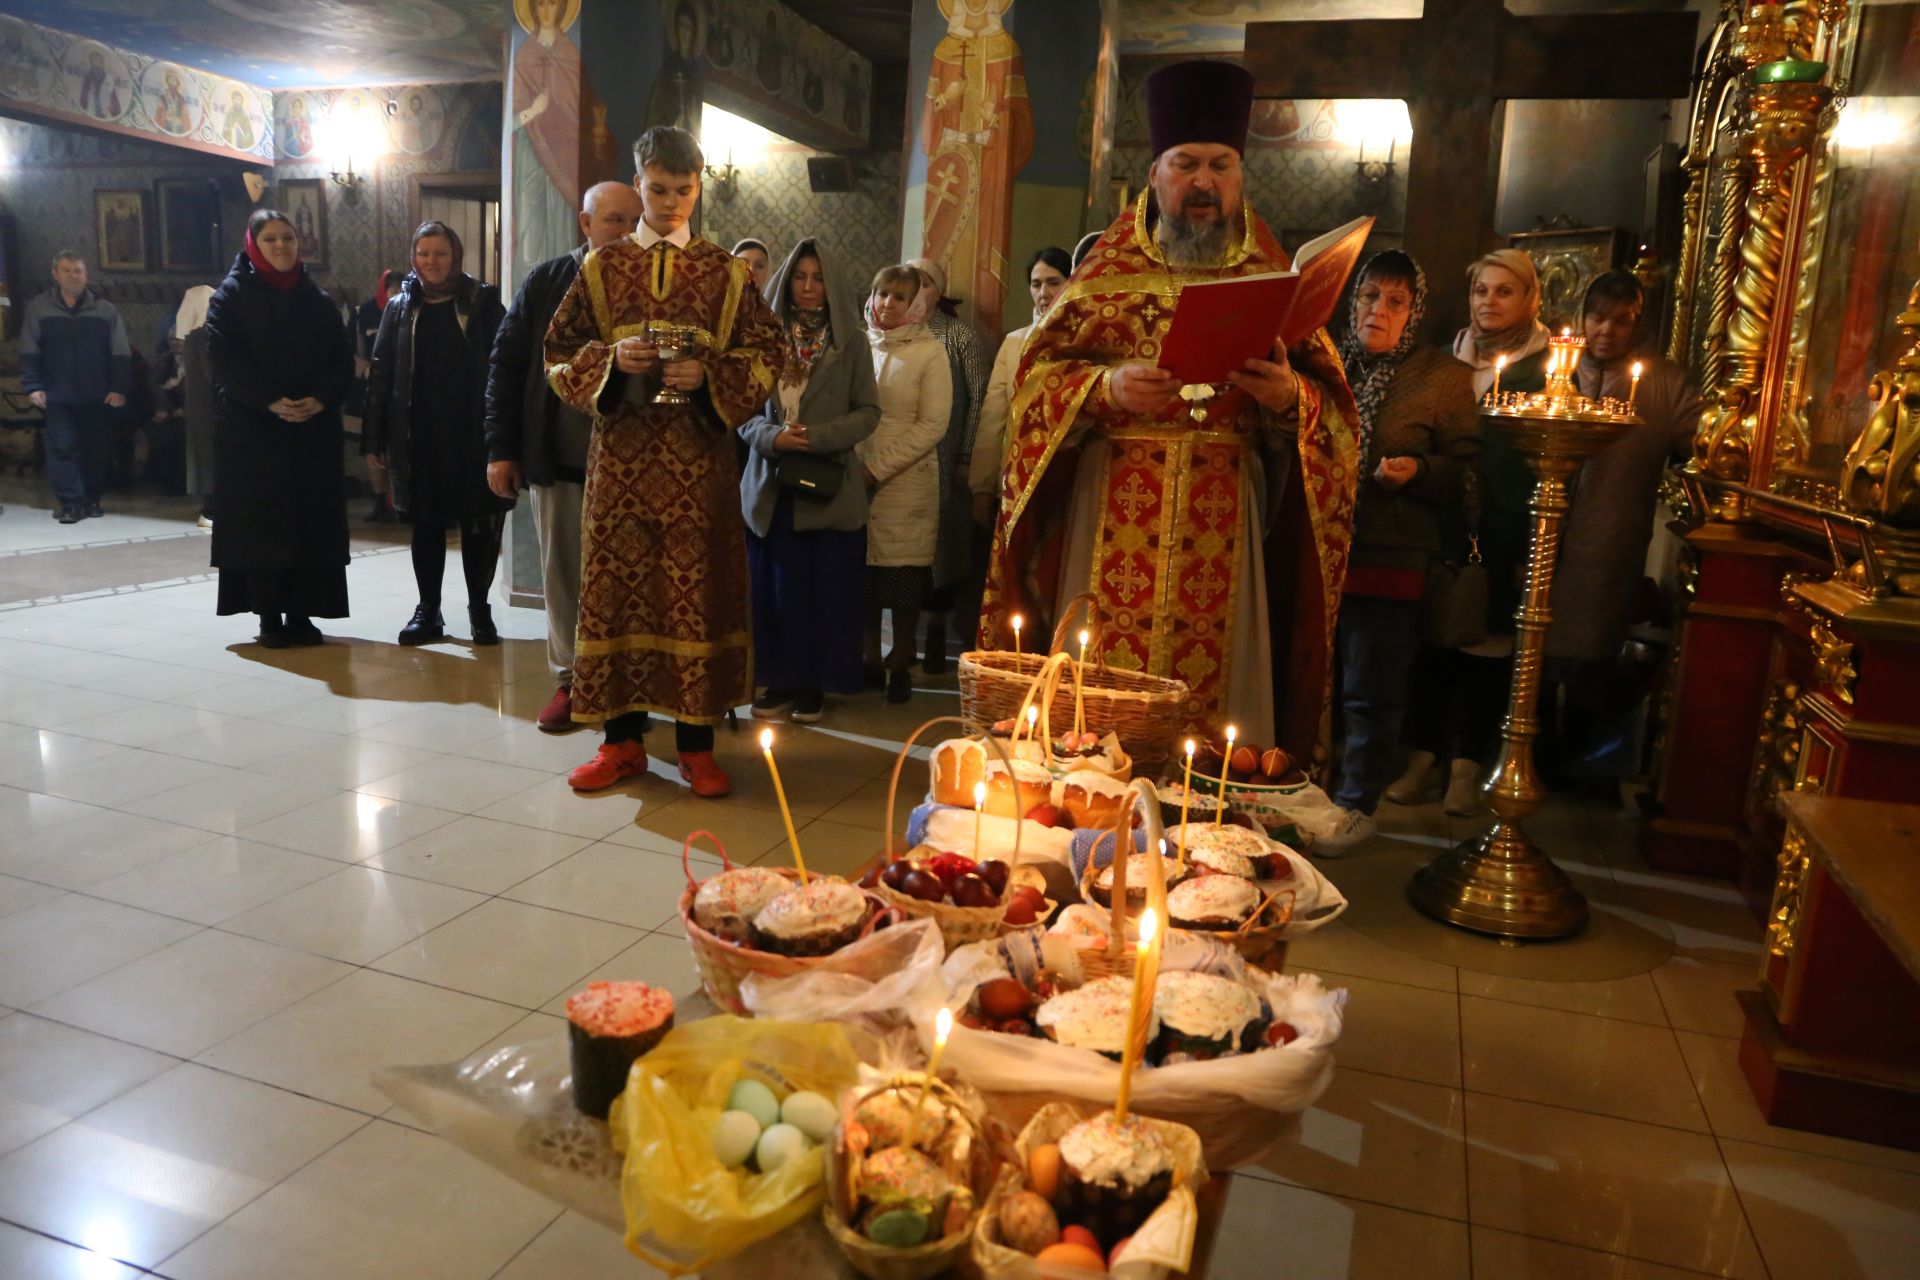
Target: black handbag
<point>815,476</point>
<point>1453,608</point>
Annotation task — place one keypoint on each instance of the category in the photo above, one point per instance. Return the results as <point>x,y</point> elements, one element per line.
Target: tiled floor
<point>233,883</point>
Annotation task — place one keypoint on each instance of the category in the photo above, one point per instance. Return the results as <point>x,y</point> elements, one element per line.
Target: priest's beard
<point>1187,242</point>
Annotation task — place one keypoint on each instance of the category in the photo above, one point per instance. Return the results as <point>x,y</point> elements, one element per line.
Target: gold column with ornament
<point>1502,883</point>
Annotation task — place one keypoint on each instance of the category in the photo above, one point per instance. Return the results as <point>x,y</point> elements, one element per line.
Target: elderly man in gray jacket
<point>536,442</point>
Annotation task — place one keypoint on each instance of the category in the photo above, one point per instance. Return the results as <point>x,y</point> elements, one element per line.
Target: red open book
<point>1222,324</point>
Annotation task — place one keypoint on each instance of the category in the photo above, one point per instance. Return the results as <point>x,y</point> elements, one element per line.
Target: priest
<point>1210,529</point>
<point>663,625</point>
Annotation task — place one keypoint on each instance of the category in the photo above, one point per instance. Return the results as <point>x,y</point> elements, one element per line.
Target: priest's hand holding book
<point>1272,383</point>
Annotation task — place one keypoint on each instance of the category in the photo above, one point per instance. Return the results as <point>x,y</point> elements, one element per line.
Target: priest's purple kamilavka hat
<point>1199,101</point>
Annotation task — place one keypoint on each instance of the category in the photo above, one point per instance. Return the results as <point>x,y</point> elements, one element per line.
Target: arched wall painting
<point>977,133</point>
<point>548,86</point>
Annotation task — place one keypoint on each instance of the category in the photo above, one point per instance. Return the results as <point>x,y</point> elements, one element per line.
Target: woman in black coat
<point>281,364</point>
<point>426,397</point>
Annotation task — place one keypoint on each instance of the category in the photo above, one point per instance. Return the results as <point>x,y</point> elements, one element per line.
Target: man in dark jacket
<point>536,442</point>
<point>76,366</point>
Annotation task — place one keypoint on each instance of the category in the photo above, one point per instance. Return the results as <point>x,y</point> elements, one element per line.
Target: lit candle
<point>1186,794</point>
<point>942,1028</point>
<point>1136,1015</point>
<point>1499,366</point>
<point>1079,710</point>
<point>786,814</point>
<point>1633,391</point>
<point>1220,815</point>
<point>1033,722</point>
<point>1018,622</point>
<point>979,804</point>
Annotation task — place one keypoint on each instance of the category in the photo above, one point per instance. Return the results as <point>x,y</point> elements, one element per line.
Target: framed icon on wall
<point>120,229</point>
<point>188,220</point>
<point>305,201</point>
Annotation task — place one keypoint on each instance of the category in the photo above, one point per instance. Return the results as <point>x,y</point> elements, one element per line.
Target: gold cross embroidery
<point>1213,504</point>
<point>1127,579</point>
<point>1205,587</point>
<point>1134,498</point>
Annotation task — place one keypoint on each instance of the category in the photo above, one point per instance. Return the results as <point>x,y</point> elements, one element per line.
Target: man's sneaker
<point>772,704</point>
<point>614,763</point>
<point>1419,784</point>
<point>1463,790</point>
<point>699,770</point>
<point>425,627</point>
<point>94,510</point>
<point>1355,829</point>
<point>808,706</point>
<point>70,515</point>
<point>558,714</point>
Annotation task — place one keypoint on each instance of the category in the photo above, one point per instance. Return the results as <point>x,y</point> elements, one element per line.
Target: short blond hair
<point>1520,264</point>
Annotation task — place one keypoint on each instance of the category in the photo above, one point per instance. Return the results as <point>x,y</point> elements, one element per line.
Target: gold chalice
<point>673,342</point>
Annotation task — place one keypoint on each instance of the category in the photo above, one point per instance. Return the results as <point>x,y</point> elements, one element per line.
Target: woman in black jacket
<point>281,364</point>
<point>426,396</point>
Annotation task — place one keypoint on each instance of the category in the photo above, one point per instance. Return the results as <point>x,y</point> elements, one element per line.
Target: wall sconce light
<point>1373,123</point>
<point>725,180</point>
<point>740,140</point>
<point>357,134</point>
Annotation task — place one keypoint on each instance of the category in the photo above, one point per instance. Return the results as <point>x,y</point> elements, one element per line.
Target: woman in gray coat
<point>806,547</point>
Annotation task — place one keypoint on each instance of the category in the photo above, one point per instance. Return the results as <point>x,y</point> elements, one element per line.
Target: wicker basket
<point>725,965</point>
<point>958,925</point>
<point>1147,713</point>
<point>924,1261</point>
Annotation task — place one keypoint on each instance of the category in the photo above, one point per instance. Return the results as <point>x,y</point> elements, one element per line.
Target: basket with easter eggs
<point>724,1126</point>
<point>909,1168</point>
<point>970,898</point>
<point>776,922</point>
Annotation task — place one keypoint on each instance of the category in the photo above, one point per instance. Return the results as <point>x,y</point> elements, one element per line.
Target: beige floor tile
<point>344,713</point>
<point>439,728</point>
<point>166,1161</point>
<point>659,960</point>
<point>18,895</point>
<point>1502,1255</point>
<point>50,1073</point>
<point>1634,998</point>
<point>746,833</point>
<point>529,748</point>
<point>1340,948</point>
<point>452,782</point>
<point>580,1249</point>
<point>635,836</point>
<point>124,777</point>
<point>633,887</point>
<point>1273,1229</point>
<point>1392,1030</point>
<point>215,881</point>
<point>1733,1113</point>
<point>1832,1218</point>
<point>46,949</point>
<point>32,753</point>
<point>1707,919</point>
<point>26,814</point>
<point>829,747</point>
<point>194,994</point>
<point>144,722</point>
<point>829,848</point>
<point>249,694</point>
<point>1388,1141</point>
<point>243,742</point>
<point>96,846</point>
<point>386,1204</point>
<point>58,708</point>
<point>478,854</point>
<point>1653,1193</point>
<point>510,952</point>
<point>552,805</point>
<point>1699,994</point>
<point>27,1254</point>
<point>159,681</point>
<point>1574,1060</point>
<point>230,803</point>
<point>342,762</point>
<point>329,1045</point>
<point>810,791</point>
<point>356,915</point>
<point>349,826</point>
<point>867,805</point>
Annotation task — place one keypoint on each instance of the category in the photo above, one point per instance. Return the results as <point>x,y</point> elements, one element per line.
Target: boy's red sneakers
<point>558,715</point>
<point>614,763</point>
<point>703,773</point>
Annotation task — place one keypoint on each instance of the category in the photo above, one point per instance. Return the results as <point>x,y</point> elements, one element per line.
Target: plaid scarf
<point>1369,374</point>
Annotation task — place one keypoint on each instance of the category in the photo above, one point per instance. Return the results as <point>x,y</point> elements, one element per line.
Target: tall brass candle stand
<point>1502,883</point>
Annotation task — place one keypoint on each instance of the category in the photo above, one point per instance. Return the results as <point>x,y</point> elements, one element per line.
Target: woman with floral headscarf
<point>1419,441</point>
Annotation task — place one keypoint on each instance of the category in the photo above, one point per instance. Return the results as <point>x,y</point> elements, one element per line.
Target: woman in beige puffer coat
<point>915,381</point>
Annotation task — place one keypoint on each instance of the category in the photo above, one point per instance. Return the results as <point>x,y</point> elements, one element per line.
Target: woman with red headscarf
<point>281,364</point>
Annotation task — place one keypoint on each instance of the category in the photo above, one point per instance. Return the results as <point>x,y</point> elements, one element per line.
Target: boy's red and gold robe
<point>1216,549</point>
<point>663,621</point>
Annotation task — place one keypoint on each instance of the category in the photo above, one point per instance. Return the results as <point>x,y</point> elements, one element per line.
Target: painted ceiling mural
<point>296,43</point>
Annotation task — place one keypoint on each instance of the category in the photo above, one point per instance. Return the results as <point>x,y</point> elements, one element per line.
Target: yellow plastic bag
<point>684,1209</point>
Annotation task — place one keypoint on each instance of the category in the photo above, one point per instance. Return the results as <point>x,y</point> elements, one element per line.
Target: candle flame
<point>1567,331</point>
<point>1636,368</point>
<point>1232,733</point>
<point>1149,925</point>
<point>942,1026</point>
<point>1018,622</point>
<point>979,794</point>
<point>766,739</point>
<point>1189,746</point>
<point>1084,637</point>
<point>1499,362</point>
<point>1033,714</point>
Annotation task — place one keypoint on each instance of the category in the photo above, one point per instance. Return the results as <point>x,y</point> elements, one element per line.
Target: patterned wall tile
<point>776,205</point>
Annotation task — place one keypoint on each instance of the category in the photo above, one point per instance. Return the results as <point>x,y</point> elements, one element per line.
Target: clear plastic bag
<point>904,958</point>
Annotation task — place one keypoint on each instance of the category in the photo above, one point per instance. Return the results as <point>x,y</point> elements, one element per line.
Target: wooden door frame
<point>478,184</point>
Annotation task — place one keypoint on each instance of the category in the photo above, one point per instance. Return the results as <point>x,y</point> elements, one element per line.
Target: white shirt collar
<point>648,237</point>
